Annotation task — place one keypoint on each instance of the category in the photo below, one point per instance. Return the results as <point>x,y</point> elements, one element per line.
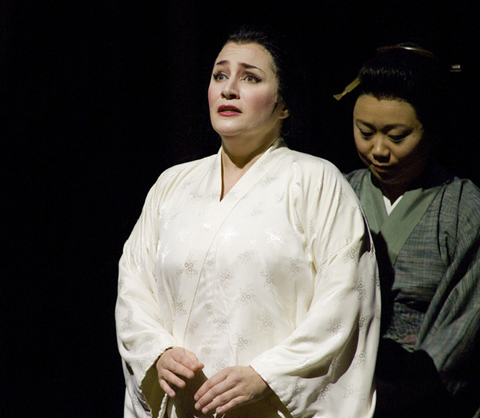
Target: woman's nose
<point>380,150</point>
<point>230,90</point>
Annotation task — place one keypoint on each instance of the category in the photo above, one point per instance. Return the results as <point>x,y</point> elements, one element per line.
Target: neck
<point>238,155</point>
<point>237,160</point>
<point>392,191</point>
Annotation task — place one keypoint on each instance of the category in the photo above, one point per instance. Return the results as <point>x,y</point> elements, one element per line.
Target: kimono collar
<point>394,229</point>
<point>215,214</point>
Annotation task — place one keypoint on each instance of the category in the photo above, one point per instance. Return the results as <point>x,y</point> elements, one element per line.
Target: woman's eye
<point>397,138</point>
<point>252,79</point>
<point>366,134</point>
<point>219,76</point>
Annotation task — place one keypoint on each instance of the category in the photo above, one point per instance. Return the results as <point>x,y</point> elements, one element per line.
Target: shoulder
<point>174,177</point>
<point>355,177</point>
<point>469,191</point>
<point>318,178</point>
<point>310,165</point>
<point>188,169</point>
<point>462,196</point>
<point>317,171</point>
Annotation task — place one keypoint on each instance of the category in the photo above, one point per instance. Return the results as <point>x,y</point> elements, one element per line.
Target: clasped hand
<point>227,389</point>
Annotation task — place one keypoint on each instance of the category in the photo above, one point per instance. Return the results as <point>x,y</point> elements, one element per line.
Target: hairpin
<point>415,49</point>
<point>348,89</point>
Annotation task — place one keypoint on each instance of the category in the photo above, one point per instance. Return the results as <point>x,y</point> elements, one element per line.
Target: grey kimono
<point>430,271</point>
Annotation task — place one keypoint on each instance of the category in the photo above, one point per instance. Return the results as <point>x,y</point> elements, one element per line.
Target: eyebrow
<point>242,64</point>
<point>390,126</point>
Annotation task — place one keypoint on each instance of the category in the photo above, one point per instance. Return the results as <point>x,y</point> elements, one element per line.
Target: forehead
<point>251,54</point>
<point>371,109</point>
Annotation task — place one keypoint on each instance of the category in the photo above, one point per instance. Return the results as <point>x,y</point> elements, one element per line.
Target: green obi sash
<point>396,227</point>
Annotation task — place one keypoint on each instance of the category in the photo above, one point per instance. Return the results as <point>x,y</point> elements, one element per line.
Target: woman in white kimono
<point>426,228</point>
<point>248,286</point>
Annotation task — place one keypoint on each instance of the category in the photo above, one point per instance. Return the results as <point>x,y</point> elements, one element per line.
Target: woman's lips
<point>229,110</point>
<point>381,168</point>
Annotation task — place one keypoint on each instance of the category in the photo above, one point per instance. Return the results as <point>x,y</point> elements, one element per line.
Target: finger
<point>212,394</point>
<point>182,356</point>
<point>188,360</point>
<point>166,371</point>
<point>166,388</point>
<point>222,409</point>
<point>172,379</point>
<point>224,402</point>
<point>181,365</point>
<point>191,355</point>
<point>208,385</point>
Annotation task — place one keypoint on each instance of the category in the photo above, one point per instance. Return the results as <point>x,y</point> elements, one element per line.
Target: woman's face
<point>243,94</point>
<point>389,140</point>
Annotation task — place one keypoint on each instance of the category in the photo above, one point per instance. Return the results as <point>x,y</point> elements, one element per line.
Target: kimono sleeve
<point>325,367</point>
<point>142,336</point>
<point>451,330</point>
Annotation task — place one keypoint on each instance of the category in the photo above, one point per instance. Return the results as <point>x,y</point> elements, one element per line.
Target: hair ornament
<point>348,89</point>
<point>455,68</point>
<point>417,50</point>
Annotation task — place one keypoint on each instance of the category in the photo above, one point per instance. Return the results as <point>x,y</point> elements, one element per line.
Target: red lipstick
<point>228,110</point>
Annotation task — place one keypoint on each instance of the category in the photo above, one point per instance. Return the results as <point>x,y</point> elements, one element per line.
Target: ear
<point>285,112</point>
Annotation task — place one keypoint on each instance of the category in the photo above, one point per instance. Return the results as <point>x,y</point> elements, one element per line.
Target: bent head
<point>389,139</point>
<point>398,115</point>
<point>245,95</point>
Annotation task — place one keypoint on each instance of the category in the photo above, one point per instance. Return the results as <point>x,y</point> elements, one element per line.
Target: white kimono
<point>279,275</point>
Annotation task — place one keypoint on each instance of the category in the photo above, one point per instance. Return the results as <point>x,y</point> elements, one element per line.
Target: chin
<point>383,178</point>
<point>226,131</point>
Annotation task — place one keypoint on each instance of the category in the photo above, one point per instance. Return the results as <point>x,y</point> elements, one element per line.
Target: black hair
<point>410,73</point>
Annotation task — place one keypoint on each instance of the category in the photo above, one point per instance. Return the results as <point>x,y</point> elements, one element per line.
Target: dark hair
<point>410,73</point>
<point>280,49</point>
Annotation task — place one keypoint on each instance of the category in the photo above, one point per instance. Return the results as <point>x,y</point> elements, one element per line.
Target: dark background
<point>97,99</point>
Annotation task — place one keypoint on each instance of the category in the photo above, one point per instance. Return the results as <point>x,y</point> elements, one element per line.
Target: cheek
<point>361,144</point>
<point>413,148</point>
<point>212,96</point>
<point>261,102</point>
<point>409,154</point>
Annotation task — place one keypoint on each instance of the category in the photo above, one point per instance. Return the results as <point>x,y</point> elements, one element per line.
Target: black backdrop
<point>98,97</point>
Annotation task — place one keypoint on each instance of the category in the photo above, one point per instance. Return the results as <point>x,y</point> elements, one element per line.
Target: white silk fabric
<point>280,275</point>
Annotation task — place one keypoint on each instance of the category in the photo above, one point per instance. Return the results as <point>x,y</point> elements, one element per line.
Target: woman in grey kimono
<point>426,227</point>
